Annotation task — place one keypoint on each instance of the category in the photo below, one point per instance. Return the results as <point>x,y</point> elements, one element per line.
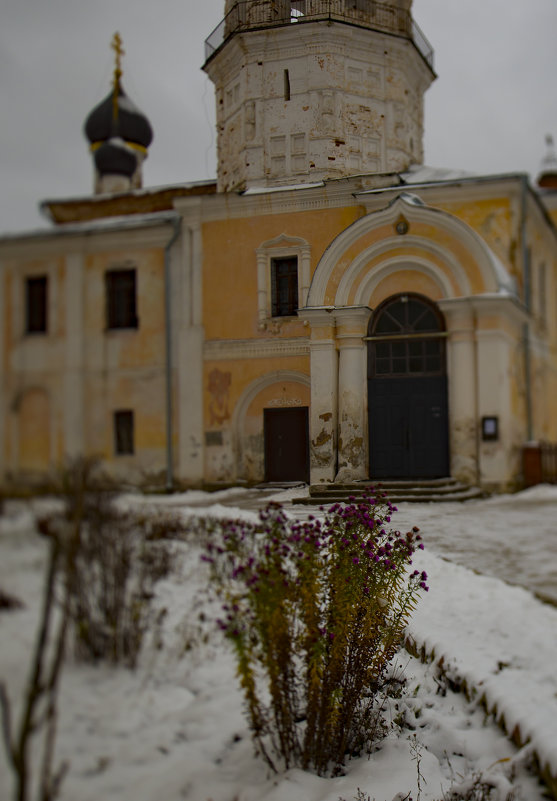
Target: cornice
<point>286,200</point>
<point>59,242</point>
<point>489,303</point>
<point>229,349</point>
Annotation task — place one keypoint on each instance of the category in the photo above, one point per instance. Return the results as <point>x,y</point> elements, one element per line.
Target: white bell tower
<point>314,89</point>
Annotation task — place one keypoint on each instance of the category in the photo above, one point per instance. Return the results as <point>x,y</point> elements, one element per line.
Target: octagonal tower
<point>313,89</point>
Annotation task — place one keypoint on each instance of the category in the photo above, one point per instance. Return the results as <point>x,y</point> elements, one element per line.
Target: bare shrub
<point>37,723</point>
<point>111,565</point>
<point>9,602</point>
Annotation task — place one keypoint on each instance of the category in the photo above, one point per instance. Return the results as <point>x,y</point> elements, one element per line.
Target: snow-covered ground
<point>174,729</point>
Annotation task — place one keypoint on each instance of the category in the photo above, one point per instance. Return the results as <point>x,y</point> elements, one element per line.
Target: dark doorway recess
<point>407,390</point>
<point>286,436</point>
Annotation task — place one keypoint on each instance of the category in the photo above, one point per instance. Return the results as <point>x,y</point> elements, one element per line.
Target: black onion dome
<point>113,158</point>
<point>129,123</point>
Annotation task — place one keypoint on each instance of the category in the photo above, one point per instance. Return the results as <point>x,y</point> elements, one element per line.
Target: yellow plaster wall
<point>34,429</point>
<point>225,381</point>
<point>128,348</point>
<point>241,453</point>
<point>144,395</point>
<point>492,218</point>
<point>125,368</point>
<point>230,307</point>
<point>553,214</point>
<point>7,313</point>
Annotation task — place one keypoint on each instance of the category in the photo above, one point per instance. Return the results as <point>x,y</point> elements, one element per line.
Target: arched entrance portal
<point>407,390</point>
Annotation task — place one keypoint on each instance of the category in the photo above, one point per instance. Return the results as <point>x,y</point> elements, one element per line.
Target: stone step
<point>419,491</point>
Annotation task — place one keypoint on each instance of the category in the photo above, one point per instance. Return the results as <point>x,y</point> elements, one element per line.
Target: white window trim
<point>280,247</point>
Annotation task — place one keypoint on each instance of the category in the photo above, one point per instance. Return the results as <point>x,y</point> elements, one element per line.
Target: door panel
<point>286,437</point>
<point>408,427</point>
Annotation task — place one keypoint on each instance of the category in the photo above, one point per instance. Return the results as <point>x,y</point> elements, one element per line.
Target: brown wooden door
<point>286,436</point>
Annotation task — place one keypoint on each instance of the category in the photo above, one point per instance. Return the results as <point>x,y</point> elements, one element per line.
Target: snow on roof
<point>422,174</point>
<point>124,221</point>
<point>263,190</point>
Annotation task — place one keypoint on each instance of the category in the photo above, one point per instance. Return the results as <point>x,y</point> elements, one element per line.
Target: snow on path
<point>138,736</point>
<point>513,537</point>
<point>497,637</point>
<point>501,640</point>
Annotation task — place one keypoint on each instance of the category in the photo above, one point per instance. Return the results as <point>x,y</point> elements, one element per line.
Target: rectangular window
<point>284,286</point>
<point>36,298</point>
<point>123,432</point>
<point>121,299</point>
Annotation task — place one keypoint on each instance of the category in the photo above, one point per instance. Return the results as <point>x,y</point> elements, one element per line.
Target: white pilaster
<point>324,382</point>
<point>462,390</point>
<point>189,350</point>
<point>499,359</point>
<point>73,423</point>
<point>353,447</point>
<point>3,388</point>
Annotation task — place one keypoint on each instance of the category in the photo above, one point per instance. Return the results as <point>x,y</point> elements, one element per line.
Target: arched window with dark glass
<point>406,333</point>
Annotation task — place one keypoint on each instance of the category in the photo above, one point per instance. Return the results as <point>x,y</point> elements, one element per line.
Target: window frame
<point>123,421</point>
<point>125,317</point>
<point>279,248</point>
<point>282,306</point>
<point>36,320</point>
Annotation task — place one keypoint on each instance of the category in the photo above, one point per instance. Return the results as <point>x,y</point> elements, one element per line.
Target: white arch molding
<point>393,265</point>
<point>248,396</point>
<point>495,276</point>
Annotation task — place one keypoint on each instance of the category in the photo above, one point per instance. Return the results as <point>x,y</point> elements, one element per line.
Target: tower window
<point>286,85</point>
<point>123,432</point>
<point>36,297</point>
<point>284,286</point>
<point>121,299</point>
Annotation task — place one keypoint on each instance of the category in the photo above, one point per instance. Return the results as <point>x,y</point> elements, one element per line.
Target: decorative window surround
<point>280,247</point>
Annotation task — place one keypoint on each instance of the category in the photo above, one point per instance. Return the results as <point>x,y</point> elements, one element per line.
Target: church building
<point>328,310</point>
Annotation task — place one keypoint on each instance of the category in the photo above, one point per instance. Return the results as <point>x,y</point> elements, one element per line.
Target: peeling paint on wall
<point>219,388</point>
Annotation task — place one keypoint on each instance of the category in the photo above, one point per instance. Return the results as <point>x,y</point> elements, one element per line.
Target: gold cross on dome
<point>116,45</point>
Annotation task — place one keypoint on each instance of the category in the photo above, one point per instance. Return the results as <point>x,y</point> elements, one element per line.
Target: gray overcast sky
<point>489,110</point>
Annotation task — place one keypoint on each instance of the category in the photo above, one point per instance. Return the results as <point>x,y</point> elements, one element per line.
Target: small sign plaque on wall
<point>490,429</point>
<point>213,438</point>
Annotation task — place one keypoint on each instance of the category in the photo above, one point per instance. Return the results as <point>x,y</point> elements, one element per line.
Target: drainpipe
<point>176,223</point>
<point>526,268</point>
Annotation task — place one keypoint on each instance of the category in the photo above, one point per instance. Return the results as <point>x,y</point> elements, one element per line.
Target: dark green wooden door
<point>407,390</point>
<point>408,427</point>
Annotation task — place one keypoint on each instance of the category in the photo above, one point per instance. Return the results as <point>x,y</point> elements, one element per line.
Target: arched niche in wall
<point>280,389</point>
<point>32,410</point>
